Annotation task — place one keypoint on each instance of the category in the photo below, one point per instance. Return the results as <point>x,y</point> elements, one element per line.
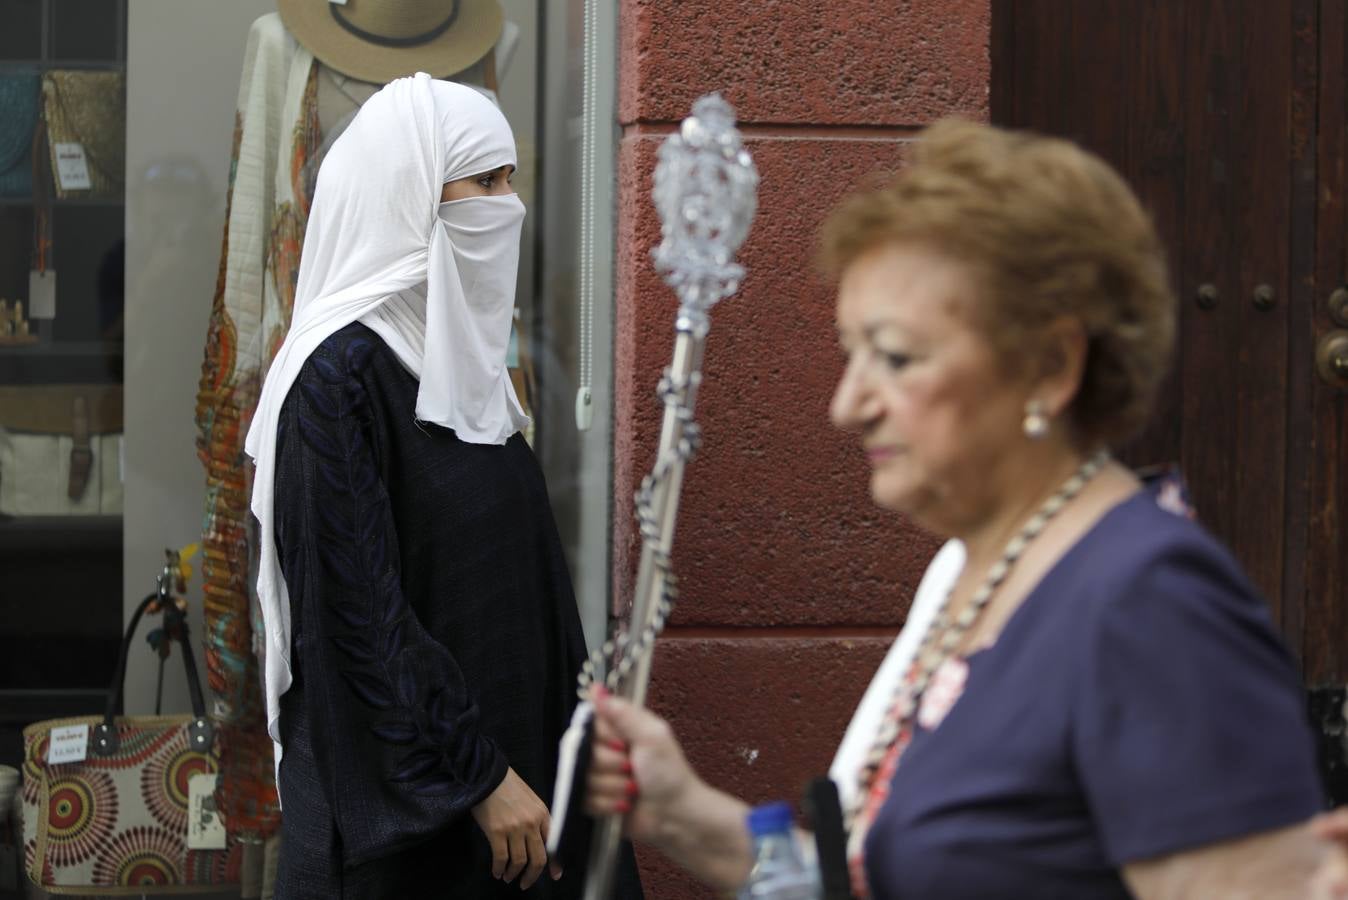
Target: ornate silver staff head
<point>706,191</point>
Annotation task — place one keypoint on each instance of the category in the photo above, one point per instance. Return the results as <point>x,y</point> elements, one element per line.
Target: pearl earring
<point>1036,422</point>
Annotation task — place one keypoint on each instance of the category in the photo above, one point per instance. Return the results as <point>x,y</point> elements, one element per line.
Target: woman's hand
<point>1331,878</point>
<point>516,824</point>
<point>637,768</point>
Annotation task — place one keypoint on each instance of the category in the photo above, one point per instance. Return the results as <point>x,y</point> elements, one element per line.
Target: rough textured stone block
<point>757,717</point>
<point>848,62</point>
<point>776,525</point>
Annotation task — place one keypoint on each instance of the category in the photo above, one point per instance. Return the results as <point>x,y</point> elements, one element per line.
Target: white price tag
<point>42,294</point>
<point>205,831</point>
<point>72,169</point>
<point>69,744</point>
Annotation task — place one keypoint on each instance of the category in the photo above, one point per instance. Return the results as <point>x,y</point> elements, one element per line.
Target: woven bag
<point>88,108</point>
<point>116,823</point>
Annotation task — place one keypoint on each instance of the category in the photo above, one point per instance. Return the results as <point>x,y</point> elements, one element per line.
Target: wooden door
<point>1228,118</point>
<point>1321,440</point>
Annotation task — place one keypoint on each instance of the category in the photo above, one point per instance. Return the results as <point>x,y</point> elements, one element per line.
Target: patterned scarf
<point>265,217</point>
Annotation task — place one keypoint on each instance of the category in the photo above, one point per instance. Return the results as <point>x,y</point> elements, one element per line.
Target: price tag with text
<point>69,744</point>
<point>72,169</point>
<point>205,831</point>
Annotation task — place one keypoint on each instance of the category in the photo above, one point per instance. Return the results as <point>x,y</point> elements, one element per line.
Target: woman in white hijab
<point>422,637</point>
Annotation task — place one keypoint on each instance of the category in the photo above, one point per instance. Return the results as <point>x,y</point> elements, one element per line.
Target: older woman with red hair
<point>1089,699</point>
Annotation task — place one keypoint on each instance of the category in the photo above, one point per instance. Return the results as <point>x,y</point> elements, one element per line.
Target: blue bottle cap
<point>770,818</point>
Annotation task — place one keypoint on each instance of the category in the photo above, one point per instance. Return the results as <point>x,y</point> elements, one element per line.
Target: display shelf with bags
<point>62,192</point>
<point>62,239</point>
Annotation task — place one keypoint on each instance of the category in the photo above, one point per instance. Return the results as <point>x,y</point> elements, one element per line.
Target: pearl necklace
<point>932,653</point>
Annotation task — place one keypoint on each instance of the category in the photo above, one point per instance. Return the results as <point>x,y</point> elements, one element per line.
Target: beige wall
<point>183,62</point>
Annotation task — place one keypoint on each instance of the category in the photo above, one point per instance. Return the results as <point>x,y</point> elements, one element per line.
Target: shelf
<point>99,349</point>
<point>62,362</point>
<point>68,201</point>
<point>54,532</point>
<point>23,707</point>
<point>34,368</point>
<point>112,65</point>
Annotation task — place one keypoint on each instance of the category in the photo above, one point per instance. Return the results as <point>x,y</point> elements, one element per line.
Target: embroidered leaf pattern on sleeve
<point>384,672</point>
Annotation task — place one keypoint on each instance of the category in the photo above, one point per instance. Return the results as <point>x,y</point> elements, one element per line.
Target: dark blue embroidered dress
<point>435,637</point>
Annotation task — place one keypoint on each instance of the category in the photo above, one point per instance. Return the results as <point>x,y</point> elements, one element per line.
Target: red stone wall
<point>793,583</point>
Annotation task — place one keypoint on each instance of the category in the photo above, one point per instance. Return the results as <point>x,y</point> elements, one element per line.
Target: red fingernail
<point>631,788</point>
<point>615,744</point>
<point>623,807</point>
<point>627,767</point>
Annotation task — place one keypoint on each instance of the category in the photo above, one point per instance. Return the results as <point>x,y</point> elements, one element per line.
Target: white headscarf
<point>435,281</point>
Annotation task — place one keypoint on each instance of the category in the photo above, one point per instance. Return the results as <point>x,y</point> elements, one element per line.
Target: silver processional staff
<point>706,194</point>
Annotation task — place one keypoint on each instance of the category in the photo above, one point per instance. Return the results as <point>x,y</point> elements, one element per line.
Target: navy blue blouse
<point>1138,703</point>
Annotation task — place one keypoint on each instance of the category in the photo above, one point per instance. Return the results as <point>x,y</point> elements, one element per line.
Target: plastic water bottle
<point>780,872</point>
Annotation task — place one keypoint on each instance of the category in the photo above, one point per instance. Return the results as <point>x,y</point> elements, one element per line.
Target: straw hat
<point>380,40</point>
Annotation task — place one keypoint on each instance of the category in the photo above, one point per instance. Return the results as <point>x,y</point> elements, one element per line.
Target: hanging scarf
<point>276,131</point>
<point>435,281</point>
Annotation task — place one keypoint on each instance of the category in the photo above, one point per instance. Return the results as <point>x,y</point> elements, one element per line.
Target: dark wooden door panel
<point>1154,162</point>
<point>1210,340</point>
<point>1326,621</point>
<point>1300,299</point>
<point>1234,356</point>
<point>1192,100</point>
<point>1085,72</point>
<point>1231,121</point>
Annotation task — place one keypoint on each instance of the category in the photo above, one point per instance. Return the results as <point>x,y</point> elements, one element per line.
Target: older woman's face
<point>923,388</point>
<point>488,184</point>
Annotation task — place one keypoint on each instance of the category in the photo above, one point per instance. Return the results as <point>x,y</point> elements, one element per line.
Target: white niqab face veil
<point>435,281</point>
<point>462,321</point>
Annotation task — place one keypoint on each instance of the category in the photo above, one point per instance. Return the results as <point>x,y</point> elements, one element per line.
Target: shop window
<point>62,125</point>
<point>155,201</point>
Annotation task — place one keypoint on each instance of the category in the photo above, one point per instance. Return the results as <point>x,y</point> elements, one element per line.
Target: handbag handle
<point>200,732</point>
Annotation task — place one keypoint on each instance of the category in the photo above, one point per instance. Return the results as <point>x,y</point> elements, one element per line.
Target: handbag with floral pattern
<point>116,822</point>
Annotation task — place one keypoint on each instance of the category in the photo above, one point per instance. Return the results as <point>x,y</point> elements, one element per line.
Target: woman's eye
<point>487,181</point>
<point>895,361</point>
